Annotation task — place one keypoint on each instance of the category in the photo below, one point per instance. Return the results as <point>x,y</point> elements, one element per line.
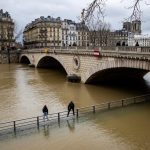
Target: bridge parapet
<point>125,51</point>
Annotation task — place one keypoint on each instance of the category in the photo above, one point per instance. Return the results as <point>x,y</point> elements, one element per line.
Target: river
<point>24,91</point>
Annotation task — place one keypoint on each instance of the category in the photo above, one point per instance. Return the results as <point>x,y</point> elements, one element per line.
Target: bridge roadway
<point>91,64</point>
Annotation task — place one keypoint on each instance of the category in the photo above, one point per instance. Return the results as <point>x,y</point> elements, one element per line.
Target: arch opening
<point>24,60</point>
<point>50,63</point>
<point>117,76</point>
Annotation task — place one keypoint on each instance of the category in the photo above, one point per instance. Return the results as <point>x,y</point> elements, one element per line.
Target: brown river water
<point>24,91</point>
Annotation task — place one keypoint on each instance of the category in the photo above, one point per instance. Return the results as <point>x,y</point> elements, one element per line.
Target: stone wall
<point>12,57</point>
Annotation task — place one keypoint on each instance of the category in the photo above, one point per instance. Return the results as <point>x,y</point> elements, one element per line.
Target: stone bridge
<point>92,65</point>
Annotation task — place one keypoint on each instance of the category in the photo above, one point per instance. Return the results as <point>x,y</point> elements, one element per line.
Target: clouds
<point>23,12</point>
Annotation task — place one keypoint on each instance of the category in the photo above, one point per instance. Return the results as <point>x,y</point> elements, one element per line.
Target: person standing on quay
<point>45,112</point>
<point>70,107</point>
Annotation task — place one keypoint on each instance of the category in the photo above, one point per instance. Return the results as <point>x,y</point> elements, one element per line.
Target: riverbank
<point>9,57</point>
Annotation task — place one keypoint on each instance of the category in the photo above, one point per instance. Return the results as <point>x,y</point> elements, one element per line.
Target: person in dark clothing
<point>70,107</point>
<point>137,44</point>
<point>45,112</point>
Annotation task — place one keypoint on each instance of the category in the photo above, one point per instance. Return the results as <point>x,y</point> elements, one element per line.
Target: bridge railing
<point>145,49</point>
<point>38,121</point>
<point>108,48</point>
<point>128,49</point>
<point>119,49</point>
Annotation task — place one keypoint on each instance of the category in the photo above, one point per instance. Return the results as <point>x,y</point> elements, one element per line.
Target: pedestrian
<point>137,44</point>
<point>70,107</point>
<point>45,112</point>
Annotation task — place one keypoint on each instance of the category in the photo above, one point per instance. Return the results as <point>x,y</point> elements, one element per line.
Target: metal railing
<point>57,117</point>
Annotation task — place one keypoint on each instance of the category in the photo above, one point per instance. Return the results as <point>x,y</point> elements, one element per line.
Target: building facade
<point>121,37</point>
<point>46,32</point>
<point>108,38</point>
<point>6,31</point>
<point>43,32</point>
<point>82,34</point>
<point>49,31</point>
<point>118,38</point>
<point>69,33</point>
<point>133,27</point>
<point>138,40</point>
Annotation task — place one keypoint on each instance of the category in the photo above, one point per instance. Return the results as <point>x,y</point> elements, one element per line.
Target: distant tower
<point>127,26</point>
<point>136,27</point>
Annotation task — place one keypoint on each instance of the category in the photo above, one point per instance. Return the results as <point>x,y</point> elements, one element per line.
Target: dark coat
<point>45,109</point>
<point>71,105</point>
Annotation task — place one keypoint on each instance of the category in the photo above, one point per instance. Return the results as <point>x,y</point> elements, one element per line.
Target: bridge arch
<point>24,60</point>
<point>51,62</point>
<point>116,69</point>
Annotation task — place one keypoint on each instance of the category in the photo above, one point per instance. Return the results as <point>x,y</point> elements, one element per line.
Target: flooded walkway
<point>117,129</point>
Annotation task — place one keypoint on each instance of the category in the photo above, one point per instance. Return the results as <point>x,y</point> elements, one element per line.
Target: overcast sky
<point>24,11</point>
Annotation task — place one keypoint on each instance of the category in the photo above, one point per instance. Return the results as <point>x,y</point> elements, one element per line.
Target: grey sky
<point>24,11</point>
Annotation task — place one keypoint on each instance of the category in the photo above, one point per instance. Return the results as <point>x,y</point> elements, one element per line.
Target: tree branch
<point>97,7</point>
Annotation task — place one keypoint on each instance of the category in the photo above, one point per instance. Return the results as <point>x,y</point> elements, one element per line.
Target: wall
<point>5,57</point>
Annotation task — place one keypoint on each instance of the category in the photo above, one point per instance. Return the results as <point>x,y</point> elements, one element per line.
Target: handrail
<point>13,125</point>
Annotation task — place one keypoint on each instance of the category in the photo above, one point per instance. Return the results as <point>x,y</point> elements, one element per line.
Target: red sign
<point>96,52</point>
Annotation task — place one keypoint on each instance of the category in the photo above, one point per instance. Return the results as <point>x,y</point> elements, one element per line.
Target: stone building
<point>105,37</point>
<point>46,32</point>
<point>82,34</point>
<point>43,32</point>
<point>138,40</point>
<point>133,27</point>
<point>118,38</point>
<point>108,38</point>
<point>135,37</point>
<point>65,31</point>
<point>6,31</point>
<point>69,34</point>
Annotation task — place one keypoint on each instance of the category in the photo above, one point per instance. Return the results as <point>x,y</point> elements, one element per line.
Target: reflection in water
<point>71,124</point>
<point>24,91</point>
<point>46,130</point>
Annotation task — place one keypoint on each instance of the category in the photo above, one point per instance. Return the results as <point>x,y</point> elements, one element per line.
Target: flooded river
<point>24,91</point>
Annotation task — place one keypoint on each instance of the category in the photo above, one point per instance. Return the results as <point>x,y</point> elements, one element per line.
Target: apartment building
<point>82,34</point>
<point>6,31</point>
<point>43,32</point>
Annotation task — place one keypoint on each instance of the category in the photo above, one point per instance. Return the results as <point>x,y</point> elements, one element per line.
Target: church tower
<point>136,27</point>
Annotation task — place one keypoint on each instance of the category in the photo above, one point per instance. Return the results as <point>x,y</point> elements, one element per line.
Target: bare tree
<point>98,33</point>
<point>136,10</point>
<point>17,32</point>
<point>97,7</point>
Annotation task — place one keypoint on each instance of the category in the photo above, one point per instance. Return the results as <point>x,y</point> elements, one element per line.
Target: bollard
<point>14,126</point>
<point>77,113</point>
<point>93,109</point>
<point>58,117</point>
<point>38,122</point>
